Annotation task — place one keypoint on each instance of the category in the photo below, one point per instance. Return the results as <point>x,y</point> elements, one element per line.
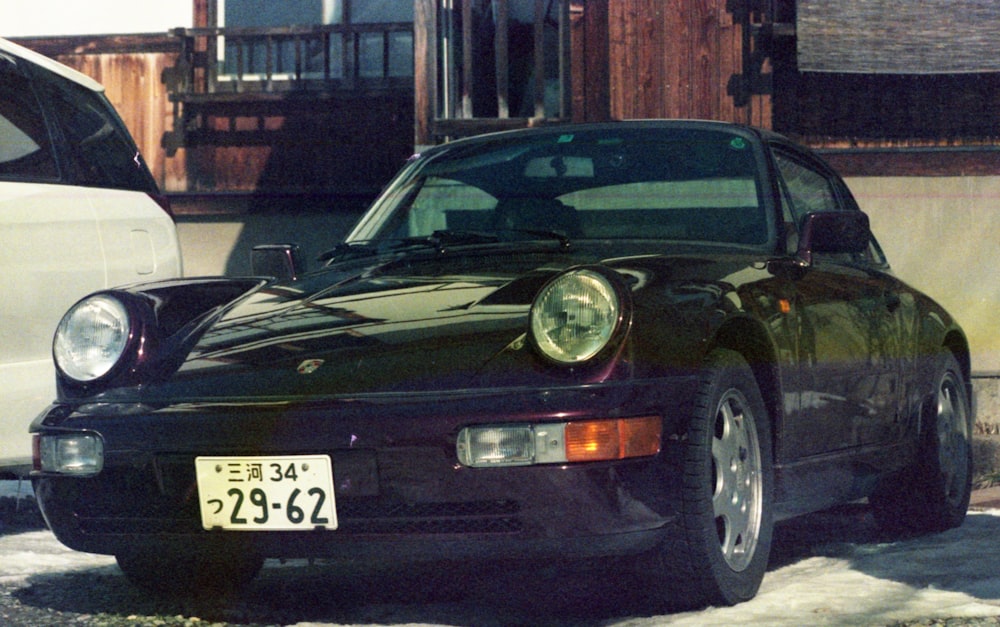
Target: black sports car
<point>648,340</point>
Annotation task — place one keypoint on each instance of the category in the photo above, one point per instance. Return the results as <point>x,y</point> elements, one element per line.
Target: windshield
<point>614,183</point>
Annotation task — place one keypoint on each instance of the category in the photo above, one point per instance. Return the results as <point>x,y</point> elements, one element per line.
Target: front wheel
<point>724,537</point>
<point>933,495</point>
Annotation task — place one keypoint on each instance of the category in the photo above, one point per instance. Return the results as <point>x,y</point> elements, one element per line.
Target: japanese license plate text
<point>266,493</point>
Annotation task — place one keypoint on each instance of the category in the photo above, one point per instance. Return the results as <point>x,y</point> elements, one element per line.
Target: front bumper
<point>400,491</point>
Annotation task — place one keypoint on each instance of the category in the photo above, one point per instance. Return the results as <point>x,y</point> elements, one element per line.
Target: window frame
<point>840,193</point>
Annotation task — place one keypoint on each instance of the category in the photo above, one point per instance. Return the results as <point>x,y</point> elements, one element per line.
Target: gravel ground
<point>304,594</point>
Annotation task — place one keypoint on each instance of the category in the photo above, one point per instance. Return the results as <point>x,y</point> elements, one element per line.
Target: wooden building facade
<point>300,109</point>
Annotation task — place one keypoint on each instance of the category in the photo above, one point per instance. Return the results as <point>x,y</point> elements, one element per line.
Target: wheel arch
<point>956,342</point>
<point>748,338</point>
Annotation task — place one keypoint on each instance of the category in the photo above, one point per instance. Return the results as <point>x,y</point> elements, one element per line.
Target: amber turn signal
<point>596,440</point>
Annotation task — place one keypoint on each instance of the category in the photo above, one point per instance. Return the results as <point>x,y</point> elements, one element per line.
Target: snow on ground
<point>953,574</point>
<point>38,552</point>
<point>837,578</point>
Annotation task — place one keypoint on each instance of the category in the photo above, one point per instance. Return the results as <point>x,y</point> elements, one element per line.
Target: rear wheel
<point>724,539</point>
<point>190,575</point>
<point>933,495</point>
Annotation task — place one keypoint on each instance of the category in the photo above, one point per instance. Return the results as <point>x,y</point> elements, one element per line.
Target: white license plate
<point>266,493</point>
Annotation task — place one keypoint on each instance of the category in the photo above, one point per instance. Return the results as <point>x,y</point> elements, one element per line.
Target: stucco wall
<point>942,236</point>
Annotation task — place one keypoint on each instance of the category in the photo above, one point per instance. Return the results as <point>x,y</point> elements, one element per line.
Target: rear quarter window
<point>99,150</point>
<point>25,145</point>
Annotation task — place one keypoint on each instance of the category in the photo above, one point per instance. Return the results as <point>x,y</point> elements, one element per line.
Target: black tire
<point>726,524</point>
<point>933,495</point>
<point>210,575</point>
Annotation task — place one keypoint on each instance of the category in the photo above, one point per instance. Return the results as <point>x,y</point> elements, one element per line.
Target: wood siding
<point>675,59</point>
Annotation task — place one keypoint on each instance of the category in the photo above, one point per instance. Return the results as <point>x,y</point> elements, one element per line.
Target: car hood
<point>412,327</point>
<point>450,323</point>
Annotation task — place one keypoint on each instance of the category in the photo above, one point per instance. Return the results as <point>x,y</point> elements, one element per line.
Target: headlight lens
<point>91,338</point>
<point>574,316</point>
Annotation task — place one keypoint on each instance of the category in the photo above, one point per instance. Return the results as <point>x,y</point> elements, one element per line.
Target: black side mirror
<point>833,232</point>
<point>281,261</point>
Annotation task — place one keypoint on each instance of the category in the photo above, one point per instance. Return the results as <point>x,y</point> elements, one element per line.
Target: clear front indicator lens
<point>574,316</point>
<point>559,443</point>
<point>498,445</point>
<point>77,454</point>
<point>91,338</point>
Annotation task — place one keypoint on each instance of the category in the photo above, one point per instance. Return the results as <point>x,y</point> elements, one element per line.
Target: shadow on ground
<point>502,593</point>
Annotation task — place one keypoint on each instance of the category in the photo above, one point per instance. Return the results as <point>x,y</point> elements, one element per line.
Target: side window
<point>25,145</point>
<point>806,189</point>
<point>100,152</point>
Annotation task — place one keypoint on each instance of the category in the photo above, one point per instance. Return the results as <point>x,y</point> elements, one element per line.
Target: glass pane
<point>809,190</point>
<point>336,55</point>
<point>25,151</point>
<point>378,11</point>
<point>370,55</point>
<point>249,13</point>
<point>400,54</point>
<point>634,183</point>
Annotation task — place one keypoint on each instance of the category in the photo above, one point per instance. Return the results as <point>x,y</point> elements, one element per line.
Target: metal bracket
<point>759,30</point>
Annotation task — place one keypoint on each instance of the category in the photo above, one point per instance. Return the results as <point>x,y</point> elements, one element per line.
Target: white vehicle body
<point>79,212</point>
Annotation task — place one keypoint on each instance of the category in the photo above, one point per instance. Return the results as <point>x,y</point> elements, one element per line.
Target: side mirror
<point>281,261</point>
<point>833,232</point>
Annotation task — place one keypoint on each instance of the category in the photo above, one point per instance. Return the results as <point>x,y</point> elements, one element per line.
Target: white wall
<point>39,18</point>
<point>942,236</point>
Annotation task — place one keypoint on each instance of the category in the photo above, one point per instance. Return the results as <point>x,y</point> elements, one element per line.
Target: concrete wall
<point>214,245</point>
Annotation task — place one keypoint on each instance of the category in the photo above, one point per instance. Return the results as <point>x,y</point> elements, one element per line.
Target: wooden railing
<point>262,62</point>
<point>451,90</point>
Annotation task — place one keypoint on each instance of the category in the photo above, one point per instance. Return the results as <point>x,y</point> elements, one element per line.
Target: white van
<point>79,211</point>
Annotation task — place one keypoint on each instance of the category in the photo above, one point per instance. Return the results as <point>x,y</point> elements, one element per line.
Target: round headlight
<point>91,338</point>
<point>574,317</point>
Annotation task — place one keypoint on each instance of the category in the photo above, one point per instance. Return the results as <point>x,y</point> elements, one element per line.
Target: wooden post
<point>565,60</point>
<point>539,52</point>
<point>502,47</point>
<point>212,48</point>
<point>589,62</point>
<point>468,89</point>
<point>424,71</point>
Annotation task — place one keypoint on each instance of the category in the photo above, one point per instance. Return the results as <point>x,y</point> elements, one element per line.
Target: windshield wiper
<point>439,240</point>
<point>449,237</point>
<point>564,241</point>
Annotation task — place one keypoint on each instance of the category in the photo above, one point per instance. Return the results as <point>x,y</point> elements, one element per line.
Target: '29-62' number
<point>295,511</point>
<point>266,493</point>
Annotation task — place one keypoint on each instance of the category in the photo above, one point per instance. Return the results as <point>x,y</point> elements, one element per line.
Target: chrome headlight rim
<point>93,338</point>
<point>613,307</point>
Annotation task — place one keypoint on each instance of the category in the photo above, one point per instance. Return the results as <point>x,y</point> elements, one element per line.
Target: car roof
<point>16,50</point>
<point>611,126</point>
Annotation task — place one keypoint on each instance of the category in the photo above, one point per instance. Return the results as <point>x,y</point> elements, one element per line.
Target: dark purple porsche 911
<point>648,340</point>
